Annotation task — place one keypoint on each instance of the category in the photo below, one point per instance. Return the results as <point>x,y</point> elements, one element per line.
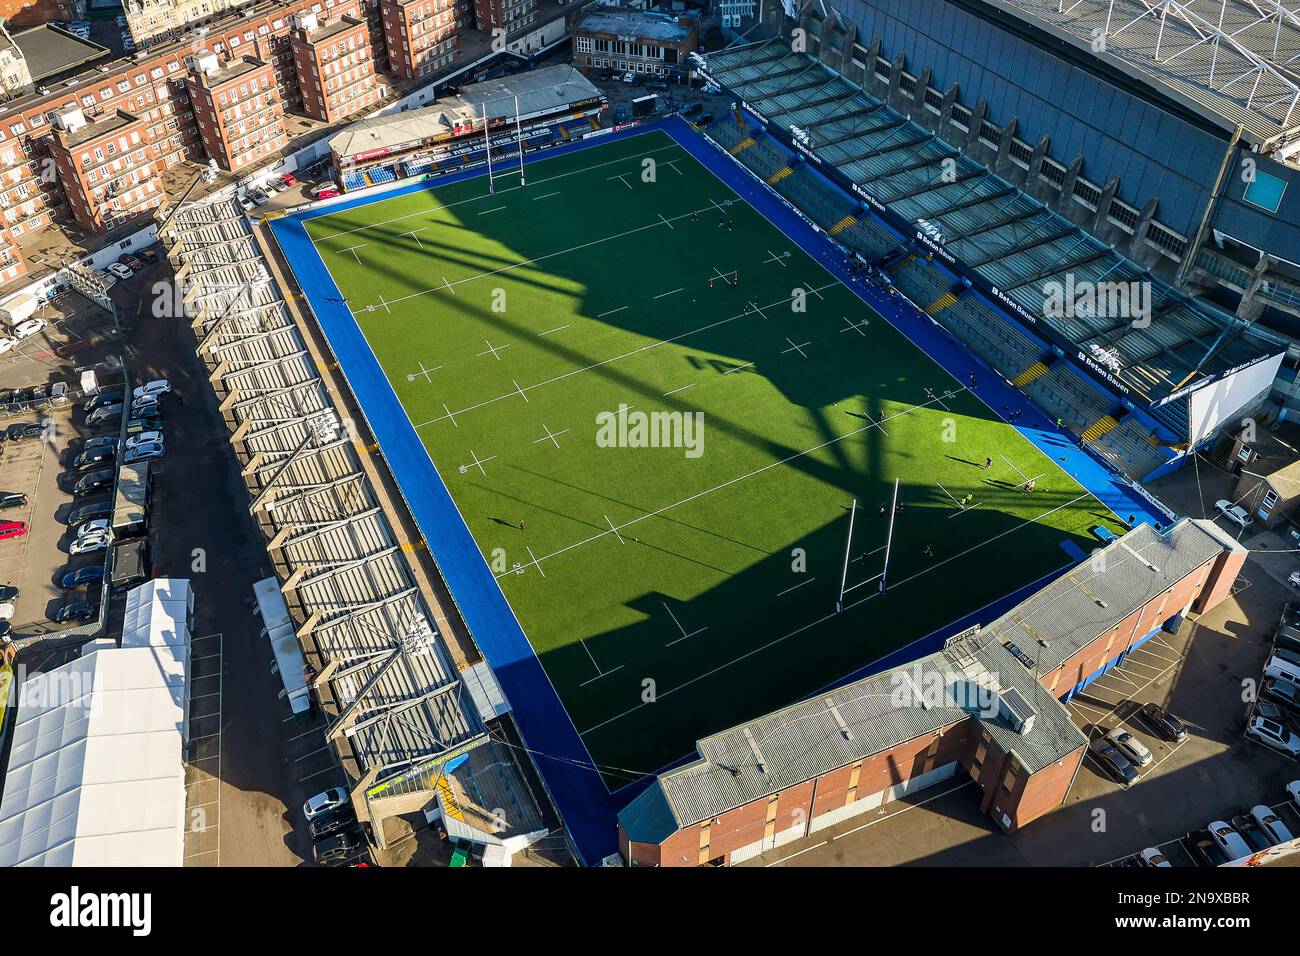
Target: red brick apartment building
<point>239,110</point>
<point>335,68</point>
<point>22,13</point>
<point>110,170</point>
<point>153,87</point>
<point>422,36</point>
<point>507,15</point>
<point>987,705</point>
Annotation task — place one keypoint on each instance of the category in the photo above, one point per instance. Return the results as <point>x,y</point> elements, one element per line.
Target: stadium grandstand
<point>537,109</point>
<point>973,237</point>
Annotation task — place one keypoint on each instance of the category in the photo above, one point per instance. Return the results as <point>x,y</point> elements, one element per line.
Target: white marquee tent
<point>96,774</point>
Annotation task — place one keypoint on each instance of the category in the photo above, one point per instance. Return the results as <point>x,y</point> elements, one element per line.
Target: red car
<point>12,529</point>
<point>130,261</point>
<point>327,194</point>
<point>289,179</point>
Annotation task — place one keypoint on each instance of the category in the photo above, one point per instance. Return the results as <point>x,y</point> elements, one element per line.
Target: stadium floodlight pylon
<point>487,143</point>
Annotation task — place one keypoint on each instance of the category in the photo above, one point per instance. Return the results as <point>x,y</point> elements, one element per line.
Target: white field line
<point>726,484</point>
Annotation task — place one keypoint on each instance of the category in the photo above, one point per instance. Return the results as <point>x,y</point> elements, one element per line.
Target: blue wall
<point>1151,150</point>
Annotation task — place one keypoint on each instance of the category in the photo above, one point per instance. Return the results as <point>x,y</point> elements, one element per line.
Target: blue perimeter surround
<point>585,804</point>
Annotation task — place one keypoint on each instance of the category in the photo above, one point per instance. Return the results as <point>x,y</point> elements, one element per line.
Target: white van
<point>1283,669</point>
<point>1228,840</point>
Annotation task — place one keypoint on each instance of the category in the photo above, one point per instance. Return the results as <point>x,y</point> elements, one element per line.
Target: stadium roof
<point>997,230</point>
<point>96,774</point>
<point>540,91</point>
<point>398,698</point>
<point>833,729</point>
<point>1236,62</point>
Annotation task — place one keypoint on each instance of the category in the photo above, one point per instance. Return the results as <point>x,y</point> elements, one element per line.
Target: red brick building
<point>110,170</point>
<point>238,108</point>
<point>335,68</point>
<point>987,706</point>
<point>422,36</point>
<point>507,15</point>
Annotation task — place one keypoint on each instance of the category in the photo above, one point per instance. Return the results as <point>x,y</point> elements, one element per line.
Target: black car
<point>12,499</point>
<point>1287,639</point>
<point>337,848</point>
<point>101,399</point>
<point>5,628</point>
<point>148,255</point>
<point>1165,724</point>
<point>1245,825</point>
<point>1116,764</point>
<point>96,509</point>
<point>20,430</point>
<point>75,611</point>
<point>151,413</point>
<point>1203,850</point>
<point>332,821</point>
<point>8,592</point>
<point>93,457</point>
<point>91,574</point>
<point>103,441</point>
<point>93,481</point>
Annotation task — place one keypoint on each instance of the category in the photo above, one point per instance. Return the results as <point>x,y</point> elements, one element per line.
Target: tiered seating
<point>996,341</point>
<point>353,181</point>
<point>1062,393</point>
<point>818,199</point>
<point>1129,448</point>
<point>379,175</point>
<point>414,167</point>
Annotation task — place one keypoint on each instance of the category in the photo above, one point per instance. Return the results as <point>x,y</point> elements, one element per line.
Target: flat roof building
<point>238,108</point>
<point>635,41</point>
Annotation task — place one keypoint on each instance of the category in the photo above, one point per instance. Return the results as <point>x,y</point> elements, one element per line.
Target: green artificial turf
<point>669,596</point>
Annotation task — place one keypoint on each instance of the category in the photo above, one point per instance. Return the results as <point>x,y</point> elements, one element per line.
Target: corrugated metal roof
<point>549,88</point>
<point>836,728</point>
<point>1187,63</point>
<point>349,573</point>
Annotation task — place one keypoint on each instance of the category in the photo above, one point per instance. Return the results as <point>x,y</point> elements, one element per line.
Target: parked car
<point>12,499</point>
<point>257,197</point>
<point>25,330</point>
<point>1153,857</point>
<point>1114,762</point>
<point>1271,711</point>
<point>1230,843</point>
<point>337,848</point>
<point>159,386</point>
<point>6,343</point>
<point>144,423</point>
<point>151,413</point>
<point>1256,838</point>
<point>1287,638</point>
<point>332,821</point>
<point>104,413</point>
<point>143,403</point>
<point>12,529</point>
<point>91,526</point>
<point>107,279</point>
<point>88,512</point>
<point>119,271</point>
<point>94,457</point>
<point>1271,825</point>
<point>1234,513</point>
<point>91,543</point>
<point>130,261</point>
<point>1132,748</point>
<point>148,255</point>
<point>100,441</point>
<point>1293,791</point>
<point>325,800</point>
<point>59,393</point>
<point>147,452</point>
<point>8,592</point>
<point>76,611</point>
<point>1274,735</point>
<point>143,438</point>
<point>288,180</point>
<point>92,574</point>
<point>629,77</point>
<point>247,203</point>
<point>328,193</point>
<point>100,399</point>
<point>93,481</point>
<point>1283,693</point>
<point>22,430</point>
<point>1203,849</point>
